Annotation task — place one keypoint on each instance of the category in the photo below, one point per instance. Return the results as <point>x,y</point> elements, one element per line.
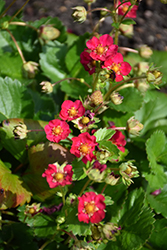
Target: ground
<point>150,27</point>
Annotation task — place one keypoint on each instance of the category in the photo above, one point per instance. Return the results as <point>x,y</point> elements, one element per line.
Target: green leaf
<point>104,134</point>
<point>20,235</point>
<point>18,147</point>
<point>156,149</point>
<point>52,60</point>
<point>77,228</point>
<point>159,59</point>
<point>15,191</point>
<point>78,168</point>
<point>132,100</point>
<point>152,111</point>
<point>115,25</point>
<point>15,101</point>
<point>2,5</point>
<point>159,235</point>
<point>128,21</point>
<point>158,202</point>
<point>44,226</point>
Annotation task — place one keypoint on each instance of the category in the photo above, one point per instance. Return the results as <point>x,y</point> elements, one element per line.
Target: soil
<point>150,27</point>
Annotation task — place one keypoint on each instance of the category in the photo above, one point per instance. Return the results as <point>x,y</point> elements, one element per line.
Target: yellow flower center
<point>72,111</point>
<point>58,176</point>
<point>84,148</point>
<point>85,120</point>
<point>128,170</point>
<point>100,50</point>
<point>115,67</point>
<point>57,130</point>
<point>125,8</point>
<point>90,208</point>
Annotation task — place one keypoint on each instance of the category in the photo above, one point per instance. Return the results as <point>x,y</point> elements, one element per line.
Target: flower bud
<point>48,33</point>
<point>60,219</point>
<point>156,192</point>
<point>30,69</point>
<point>116,98</point>
<point>20,131</point>
<point>96,232</point>
<point>126,30</point>
<point>141,85</point>
<point>46,87</point>
<point>128,171</point>
<point>134,126</point>
<point>96,98</point>
<point>110,231</point>
<point>141,68</point>
<point>112,179</point>
<point>154,77</point>
<point>31,210</point>
<point>79,14</point>
<point>145,51</point>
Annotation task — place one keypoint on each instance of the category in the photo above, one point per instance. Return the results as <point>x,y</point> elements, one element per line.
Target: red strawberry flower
<point>117,65</point>
<point>91,208</point>
<point>101,48</point>
<point>71,110</point>
<point>83,146</point>
<point>57,130</point>
<point>124,7</point>
<point>58,175</point>
<point>118,139</point>
<point>87,61</point>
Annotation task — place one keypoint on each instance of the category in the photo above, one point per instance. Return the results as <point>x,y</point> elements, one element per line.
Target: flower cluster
<point>102,53</point>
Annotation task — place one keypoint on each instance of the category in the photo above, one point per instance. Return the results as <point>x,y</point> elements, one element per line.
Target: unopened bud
<point>145,51</point>
<point>79,14</point>
<point>112,179</point>
<point>141,68</point>
<point>110,231</point>
<point>30,69</point>
<point>126,30</point>
<point>134,126</point>
<point>141,85</point>
<point>154,77</point>
<point>60,219</point>
<point>96,98</point>
<point>128,171</point>
<point>48,32</point>
<point>20,131</point>
<point>46,87</point>
<point>116,98</point>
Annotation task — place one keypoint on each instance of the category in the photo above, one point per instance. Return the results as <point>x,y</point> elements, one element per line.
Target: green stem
<point>128,49</point>
<point>148,246</point>
<point>95,81</point>
<point>84,187</point>
<point>72,78</point>
<point>102,191</point>
<point>107,95</point>
<point>19,11</point>
<point>24,24</point>
<point>7,8</point>
<point>63,199</point>
<point>17,46</point>
<point>99,9</point>
<point>126,86</point>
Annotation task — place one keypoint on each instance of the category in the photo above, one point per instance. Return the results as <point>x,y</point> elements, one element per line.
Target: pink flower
<point>124,7</point>
<point>118,139</point>
<point>58,176</point>
<point>57,130</point>
<point>117,65</point>
<point>91,208</point>
<point>87,61</point>
<point>71,110</point>
<point>83,146</point>
<point>101,48</point>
